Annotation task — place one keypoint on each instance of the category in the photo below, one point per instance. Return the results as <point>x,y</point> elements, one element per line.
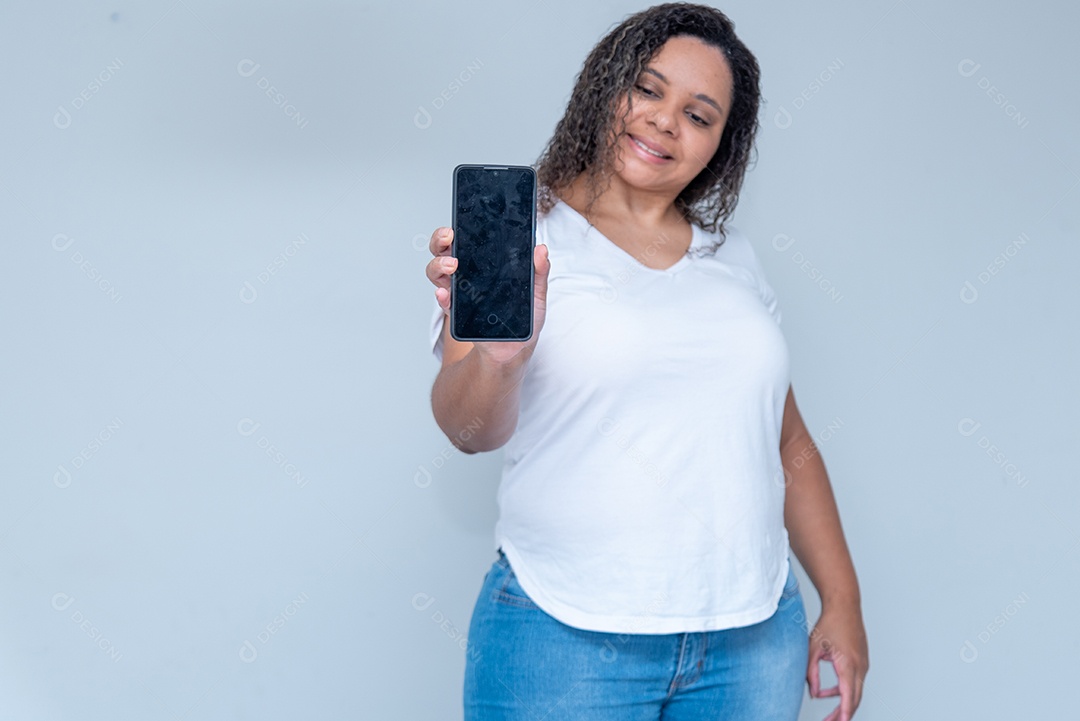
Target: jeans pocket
<point>508,590</point>
<point>791,587</point>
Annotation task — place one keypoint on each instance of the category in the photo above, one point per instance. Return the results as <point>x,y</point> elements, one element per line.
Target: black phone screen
<point>494,222</point>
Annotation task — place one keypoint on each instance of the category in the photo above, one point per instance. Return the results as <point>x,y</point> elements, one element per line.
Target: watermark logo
<point>609,653</point>
<point>249,652</point>
<point>62,477</point>
<point>247,427</point>
<point>969,652</point>
<point>783,475</point>
<point>781,242</point>
<point>609,427</point>
<point>968,67</point>
<point>247,68</point>
<point>423,476</point>
<point>422,602</point>
<point>967,428</point>
<point>62,242</point>
<point>784,117</point>
<point>61,602</point>
<point>424,118</point>
<point>969,293</point>
<point>248,292</point>
<point>63,118</point>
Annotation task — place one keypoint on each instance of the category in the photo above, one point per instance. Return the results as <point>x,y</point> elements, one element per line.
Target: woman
<point>657,470</point>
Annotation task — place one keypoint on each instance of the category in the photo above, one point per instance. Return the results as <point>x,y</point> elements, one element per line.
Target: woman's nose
<point>662,119</point>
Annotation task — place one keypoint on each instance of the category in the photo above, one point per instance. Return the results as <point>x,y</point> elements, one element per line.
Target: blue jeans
<point>524,665</point>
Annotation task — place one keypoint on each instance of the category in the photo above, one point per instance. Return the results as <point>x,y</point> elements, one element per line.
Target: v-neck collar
<point>681,263</point>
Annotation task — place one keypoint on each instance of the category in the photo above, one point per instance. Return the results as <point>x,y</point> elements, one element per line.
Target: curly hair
<point>584,139</point>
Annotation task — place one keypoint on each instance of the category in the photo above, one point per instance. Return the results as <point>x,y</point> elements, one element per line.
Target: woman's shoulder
<point>559,225</point>
<point>730,243</point>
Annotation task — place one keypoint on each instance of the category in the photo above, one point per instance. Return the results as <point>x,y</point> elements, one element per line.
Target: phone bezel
<point>453,249</point>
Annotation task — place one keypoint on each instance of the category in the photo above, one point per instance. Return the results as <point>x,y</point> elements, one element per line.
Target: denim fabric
<point>524,665</point>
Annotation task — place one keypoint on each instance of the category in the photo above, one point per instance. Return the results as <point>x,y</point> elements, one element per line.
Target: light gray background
<point>216,419</point>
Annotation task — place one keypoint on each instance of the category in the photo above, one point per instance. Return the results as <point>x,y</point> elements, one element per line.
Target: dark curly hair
<point>584,140</point>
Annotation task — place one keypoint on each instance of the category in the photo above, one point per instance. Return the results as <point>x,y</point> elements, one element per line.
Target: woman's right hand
<point>443,265</point>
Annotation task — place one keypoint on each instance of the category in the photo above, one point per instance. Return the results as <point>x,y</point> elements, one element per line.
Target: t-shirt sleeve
<point>765,289</point>
<point>768,296</point>
<point>436,328</point>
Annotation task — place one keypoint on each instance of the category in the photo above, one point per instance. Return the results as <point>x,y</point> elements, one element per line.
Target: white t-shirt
<point>642,490</point>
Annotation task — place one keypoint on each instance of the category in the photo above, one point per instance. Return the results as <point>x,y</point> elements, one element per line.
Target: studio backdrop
<point>224,493</point>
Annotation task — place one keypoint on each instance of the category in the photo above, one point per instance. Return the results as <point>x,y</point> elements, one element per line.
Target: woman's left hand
<point>839,637</point>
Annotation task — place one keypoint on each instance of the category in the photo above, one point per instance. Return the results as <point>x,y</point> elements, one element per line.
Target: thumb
<point>543,267</point>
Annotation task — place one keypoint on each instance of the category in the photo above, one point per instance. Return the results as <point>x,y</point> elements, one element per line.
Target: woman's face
<point>680,104</point>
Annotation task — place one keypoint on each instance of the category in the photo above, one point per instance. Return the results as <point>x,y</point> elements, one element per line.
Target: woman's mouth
<point>647,152</point>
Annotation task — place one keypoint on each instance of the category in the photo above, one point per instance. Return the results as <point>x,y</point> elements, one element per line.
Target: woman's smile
<point>647,153</point>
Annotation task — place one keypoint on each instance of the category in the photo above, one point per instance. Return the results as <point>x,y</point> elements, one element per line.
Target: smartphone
<point>494,222</point>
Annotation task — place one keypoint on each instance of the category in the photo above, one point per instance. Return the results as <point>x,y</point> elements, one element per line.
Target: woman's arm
<point>475,400</point>
<point>476,396</point>
<point>817,539</point>
<point>811,516</point>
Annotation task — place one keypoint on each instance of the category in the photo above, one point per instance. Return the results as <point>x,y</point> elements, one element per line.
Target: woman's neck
<point>622,204</point>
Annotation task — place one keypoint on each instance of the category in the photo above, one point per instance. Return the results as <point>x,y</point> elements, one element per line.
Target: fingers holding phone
<point>542,268</point>
<point>490,275</point>
<point>443,265</point>
<point>440,268</point>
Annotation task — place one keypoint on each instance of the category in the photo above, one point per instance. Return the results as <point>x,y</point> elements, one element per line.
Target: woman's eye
<point>695,118</point>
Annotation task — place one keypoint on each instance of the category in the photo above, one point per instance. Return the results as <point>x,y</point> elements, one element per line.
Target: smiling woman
<point>669,128</point>
<point>658,474</point>
<point>710,71</point>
